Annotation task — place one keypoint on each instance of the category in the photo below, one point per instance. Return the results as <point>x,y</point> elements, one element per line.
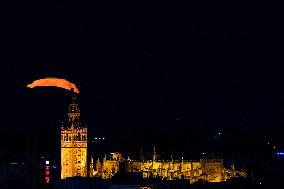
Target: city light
<point>47,178</point>
<point>280,153</point>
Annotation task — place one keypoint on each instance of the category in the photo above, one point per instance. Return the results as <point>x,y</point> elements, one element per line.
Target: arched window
<point>83,137</point>
<point>79,136</point>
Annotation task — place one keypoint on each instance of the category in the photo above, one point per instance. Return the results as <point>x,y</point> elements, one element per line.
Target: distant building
<point>209,170</point>
<point>213,170</point>
<point>73,144</point>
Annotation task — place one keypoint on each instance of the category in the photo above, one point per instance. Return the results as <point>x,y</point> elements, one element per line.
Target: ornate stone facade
<point>210,170</point>
<point>73,144</point>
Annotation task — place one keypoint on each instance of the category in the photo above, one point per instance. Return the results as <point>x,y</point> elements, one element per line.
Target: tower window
<point>84,138</point>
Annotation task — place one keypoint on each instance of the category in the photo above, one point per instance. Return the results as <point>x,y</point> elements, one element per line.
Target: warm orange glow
<point>54,82</point>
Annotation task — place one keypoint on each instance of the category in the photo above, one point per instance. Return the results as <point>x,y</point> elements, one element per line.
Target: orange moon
<point>54,82</point>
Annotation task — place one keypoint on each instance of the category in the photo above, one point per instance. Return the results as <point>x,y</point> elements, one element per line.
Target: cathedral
<point>209,170</point>
<point>74,161</point>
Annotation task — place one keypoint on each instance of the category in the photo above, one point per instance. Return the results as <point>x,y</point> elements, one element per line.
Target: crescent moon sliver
<point>54,82</point>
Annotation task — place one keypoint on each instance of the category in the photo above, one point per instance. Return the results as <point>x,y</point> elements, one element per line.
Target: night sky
<point>169,68</point>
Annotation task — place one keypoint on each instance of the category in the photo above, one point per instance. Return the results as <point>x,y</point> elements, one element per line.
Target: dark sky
<point>167,66</point>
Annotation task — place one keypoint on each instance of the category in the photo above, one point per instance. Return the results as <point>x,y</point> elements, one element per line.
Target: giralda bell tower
<point>73,143</point>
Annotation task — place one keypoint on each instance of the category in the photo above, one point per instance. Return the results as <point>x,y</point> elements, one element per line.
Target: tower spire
<point>154,154</point>
<point>74,111</point>
<point>141,155</point>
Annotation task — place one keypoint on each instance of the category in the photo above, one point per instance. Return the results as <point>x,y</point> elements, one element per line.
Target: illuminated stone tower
<point>73,143</point>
